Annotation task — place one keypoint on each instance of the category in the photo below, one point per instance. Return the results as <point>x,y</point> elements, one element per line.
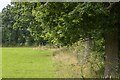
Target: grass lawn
<point>27,63</point>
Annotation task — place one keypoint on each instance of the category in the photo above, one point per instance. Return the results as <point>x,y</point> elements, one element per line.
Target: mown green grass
<point>27,63</point>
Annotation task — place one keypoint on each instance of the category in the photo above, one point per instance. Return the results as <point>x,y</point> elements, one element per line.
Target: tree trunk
<point>87,50</point>
<point>111,52</point>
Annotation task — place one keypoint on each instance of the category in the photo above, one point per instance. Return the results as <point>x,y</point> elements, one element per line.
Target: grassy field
<point>27,63</point>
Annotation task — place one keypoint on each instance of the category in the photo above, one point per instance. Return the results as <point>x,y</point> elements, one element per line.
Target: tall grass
<point>75,63</point>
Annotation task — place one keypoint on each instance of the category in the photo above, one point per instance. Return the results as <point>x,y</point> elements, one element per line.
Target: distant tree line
<point>19,27</point>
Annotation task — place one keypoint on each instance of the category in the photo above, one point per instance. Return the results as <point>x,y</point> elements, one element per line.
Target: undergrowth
<point>80,61</point>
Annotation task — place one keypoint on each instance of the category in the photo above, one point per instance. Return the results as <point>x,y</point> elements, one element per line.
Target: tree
<point>7,25</point>
<point>66,22</point>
